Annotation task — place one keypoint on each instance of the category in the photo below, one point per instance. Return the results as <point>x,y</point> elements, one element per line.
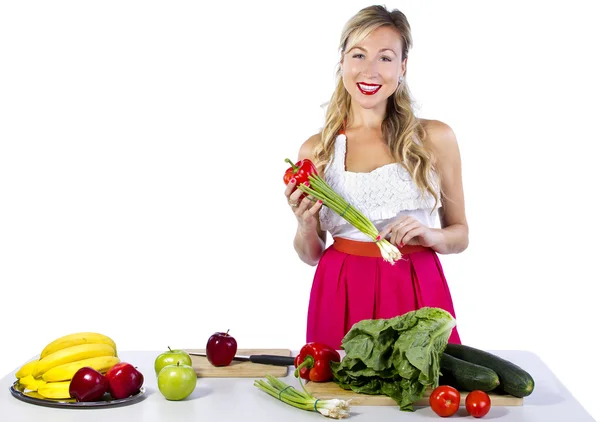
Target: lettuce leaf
<point>398,357</point>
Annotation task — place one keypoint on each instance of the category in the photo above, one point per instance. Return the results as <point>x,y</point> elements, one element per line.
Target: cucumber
<point>514,380</point>
<point>469,376</point>
<point>446,378</point>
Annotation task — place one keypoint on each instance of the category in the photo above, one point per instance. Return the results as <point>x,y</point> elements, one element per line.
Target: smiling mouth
<point>368,89</point>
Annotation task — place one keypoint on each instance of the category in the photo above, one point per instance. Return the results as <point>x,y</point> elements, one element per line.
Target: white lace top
<point>382,195</point>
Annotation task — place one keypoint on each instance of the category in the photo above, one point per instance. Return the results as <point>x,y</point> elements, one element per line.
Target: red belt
<point>370,249</point>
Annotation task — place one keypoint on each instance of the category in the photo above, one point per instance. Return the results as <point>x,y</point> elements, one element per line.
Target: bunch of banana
<point>51,374</point>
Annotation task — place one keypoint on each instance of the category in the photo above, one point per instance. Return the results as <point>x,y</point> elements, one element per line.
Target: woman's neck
<point>365,118</point>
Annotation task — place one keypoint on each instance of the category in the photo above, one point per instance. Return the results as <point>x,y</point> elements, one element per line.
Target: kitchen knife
<point>264,359</point>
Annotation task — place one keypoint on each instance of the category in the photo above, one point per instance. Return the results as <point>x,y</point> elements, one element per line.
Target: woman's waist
<point>370,248</point>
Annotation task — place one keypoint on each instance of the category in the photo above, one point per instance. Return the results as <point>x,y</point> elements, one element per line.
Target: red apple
<point>88,385</point>
<point>220,349</point>
<point>124,380</point>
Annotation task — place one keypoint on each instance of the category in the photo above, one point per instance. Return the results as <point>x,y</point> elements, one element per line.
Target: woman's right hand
<point>305,210</point>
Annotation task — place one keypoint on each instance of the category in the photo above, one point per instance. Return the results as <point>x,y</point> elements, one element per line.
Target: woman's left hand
<point>409,231</point>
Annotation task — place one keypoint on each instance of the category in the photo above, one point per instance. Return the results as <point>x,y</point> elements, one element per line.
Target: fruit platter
<point>79,370</point>
<point>20,392</point>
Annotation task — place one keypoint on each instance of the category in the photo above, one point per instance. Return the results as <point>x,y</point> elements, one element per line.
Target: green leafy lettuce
<point>398,357</point>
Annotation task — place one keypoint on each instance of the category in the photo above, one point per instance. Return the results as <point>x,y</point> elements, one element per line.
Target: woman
<point>397,170</point>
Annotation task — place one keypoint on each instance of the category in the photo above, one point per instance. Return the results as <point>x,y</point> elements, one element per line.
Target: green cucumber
<point>514,380</point>
<point>469,376</point>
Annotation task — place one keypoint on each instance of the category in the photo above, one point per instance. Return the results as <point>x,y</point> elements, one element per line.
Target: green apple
<point>176,382</point>
<point>171,358</point>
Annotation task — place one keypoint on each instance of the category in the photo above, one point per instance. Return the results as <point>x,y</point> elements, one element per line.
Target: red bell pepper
<point>299,171</point>
<point>312,363</point>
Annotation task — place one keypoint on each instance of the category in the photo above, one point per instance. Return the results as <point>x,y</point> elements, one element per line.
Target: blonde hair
<point>401,129</point>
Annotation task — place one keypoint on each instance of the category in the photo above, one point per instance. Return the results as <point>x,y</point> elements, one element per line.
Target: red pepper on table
<point>312,363</point>
<point>299,171</point>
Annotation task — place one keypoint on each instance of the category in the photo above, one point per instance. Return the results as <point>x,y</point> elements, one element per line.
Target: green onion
<point>319,189</point>
<point>333,408</point>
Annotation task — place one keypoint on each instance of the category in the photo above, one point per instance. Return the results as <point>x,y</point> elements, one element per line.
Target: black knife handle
<point>272,360</point>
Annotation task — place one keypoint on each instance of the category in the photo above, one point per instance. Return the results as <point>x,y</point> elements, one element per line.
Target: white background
<point>142,150</point>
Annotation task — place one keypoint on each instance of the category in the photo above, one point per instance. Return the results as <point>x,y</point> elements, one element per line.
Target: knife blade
<point>264,359</point>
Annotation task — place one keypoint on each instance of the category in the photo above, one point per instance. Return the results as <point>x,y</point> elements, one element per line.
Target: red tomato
<point>445,400</point>
<point>478,403</point>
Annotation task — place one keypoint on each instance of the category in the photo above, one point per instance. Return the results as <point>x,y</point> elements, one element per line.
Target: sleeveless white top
<point>382,195</point>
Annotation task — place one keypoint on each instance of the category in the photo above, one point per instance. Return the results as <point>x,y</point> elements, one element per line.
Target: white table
<point>236,399</point>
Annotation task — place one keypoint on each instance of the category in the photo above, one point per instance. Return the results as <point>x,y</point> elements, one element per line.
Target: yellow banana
<point>65,372</point>
<point>26,369</point>
<point>55,390</point>
<point>31,383</point>
<point>75,339</point>
<point>26,380</point>
<point>34,394</point>
<point>71,354</point>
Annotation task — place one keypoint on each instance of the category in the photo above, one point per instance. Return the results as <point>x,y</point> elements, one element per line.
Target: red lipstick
<point>368,89</point>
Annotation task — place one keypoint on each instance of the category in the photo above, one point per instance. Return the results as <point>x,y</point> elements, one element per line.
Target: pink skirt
<point>353,282</point>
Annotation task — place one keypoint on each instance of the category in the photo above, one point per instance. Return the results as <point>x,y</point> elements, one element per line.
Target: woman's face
<point>370,70</point>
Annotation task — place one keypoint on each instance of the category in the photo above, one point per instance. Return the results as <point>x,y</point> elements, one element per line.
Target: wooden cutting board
<point>239,369</point>
<point>328,390</point>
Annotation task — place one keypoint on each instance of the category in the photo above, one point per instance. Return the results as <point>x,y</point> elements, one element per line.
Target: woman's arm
<point>310,240</point>
<point>453,237</point>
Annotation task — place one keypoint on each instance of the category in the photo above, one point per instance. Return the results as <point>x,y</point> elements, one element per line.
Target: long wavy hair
<point>401,130</point>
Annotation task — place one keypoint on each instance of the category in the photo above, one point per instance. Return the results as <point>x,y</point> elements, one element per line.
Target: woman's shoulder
<point>436,130</point>
<point>441,140</point>
<point>307,148</point>
<point>438,135</point>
